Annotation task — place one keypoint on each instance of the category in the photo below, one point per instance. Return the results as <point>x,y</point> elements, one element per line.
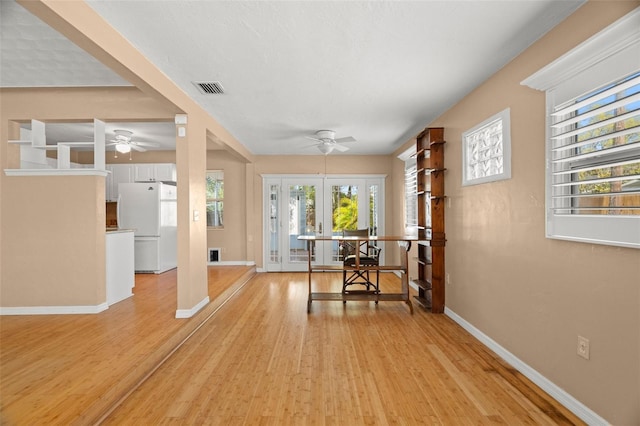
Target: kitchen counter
<point>119,264</point>
<point>111,230</point>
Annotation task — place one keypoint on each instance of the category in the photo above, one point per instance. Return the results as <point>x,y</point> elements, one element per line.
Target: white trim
<point>55,172</point>
<point>557,393</point>
<point>618,36</point>
<point>53,310</point>
<point>408,153</point>
<point>233,263</point>
<point>188,313</point>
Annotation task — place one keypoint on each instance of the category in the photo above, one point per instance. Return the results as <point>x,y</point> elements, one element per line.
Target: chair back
<point>349,247</point>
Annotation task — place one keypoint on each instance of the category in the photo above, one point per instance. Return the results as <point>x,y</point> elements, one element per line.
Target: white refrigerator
<point>151,210</point>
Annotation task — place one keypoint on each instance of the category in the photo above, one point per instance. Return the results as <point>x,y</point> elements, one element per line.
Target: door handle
<point>320,228</point>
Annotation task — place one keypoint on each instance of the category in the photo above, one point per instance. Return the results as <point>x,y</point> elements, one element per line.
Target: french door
<point>311,205</point>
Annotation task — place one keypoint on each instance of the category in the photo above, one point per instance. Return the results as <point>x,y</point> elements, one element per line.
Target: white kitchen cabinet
<point>155,172</point>
<point>137,172</point>
<point>120,173</point>
<point>165,172</point>
<point>144,172</point>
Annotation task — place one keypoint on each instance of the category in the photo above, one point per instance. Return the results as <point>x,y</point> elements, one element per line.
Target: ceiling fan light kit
<point>123,148</point>
<point>122,142</point>
<point>325,148</point>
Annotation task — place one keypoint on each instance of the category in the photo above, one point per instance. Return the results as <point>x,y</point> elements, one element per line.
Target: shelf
<point>423,284</point>
<point>389,297</point>
<point>423,261</point>
<point>423,301</point>
<point>362,267</point>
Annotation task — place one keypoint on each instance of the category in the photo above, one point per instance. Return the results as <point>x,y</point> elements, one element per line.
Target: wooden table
<point>403,296</point>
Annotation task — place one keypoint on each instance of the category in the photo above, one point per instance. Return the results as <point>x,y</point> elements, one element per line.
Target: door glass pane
<point>344,213</point>
<point>302,220</point>
<point>344,208</point>
<point>373,209</point>
<point>274,219</point>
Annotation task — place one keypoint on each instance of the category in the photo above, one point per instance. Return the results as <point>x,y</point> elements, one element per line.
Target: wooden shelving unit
<point>431,231</point>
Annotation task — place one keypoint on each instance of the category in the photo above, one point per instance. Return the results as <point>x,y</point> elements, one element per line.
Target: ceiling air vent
<point>209,87</point>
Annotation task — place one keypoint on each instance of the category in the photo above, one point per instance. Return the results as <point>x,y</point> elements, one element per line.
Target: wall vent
<point>209,87</point>
<point>214,255</point>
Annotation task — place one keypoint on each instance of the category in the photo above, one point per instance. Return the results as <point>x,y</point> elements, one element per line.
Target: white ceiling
<point>379,71</point>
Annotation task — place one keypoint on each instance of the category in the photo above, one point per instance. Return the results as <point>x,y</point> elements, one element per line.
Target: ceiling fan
<point>123,143</point>
<point>327,141</point>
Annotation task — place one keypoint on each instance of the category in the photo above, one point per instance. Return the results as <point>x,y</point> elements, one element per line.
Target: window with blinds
<point>410,195</point>
<point>593,137</point>
<point>595,147</point>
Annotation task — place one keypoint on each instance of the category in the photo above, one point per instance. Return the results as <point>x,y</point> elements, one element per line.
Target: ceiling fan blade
<point>137,148</point>
<point>313,139</point>
<point>340,148</point>
<point>345,139</point>
<point>150,144</point>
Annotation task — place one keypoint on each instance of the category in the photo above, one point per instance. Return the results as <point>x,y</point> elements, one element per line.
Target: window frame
<point>215,200</point>
<point>608,56</point>
<point>504,117</point>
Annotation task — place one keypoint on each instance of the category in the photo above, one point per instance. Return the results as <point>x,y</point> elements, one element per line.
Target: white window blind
<point>595,146</point>
<point>410,195</point>
<point>593,137</point>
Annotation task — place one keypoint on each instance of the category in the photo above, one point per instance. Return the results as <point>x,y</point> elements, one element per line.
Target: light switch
<point>196,215</point>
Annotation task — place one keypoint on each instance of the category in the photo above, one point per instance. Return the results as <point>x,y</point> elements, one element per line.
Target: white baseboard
<point>53,310</point>
<point>568,401</point>
<point>232,263</point>
<point>188,313</point>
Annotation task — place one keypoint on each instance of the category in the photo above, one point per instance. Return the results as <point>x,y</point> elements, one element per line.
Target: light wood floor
<point>261,359</point>
<point>71,369</point>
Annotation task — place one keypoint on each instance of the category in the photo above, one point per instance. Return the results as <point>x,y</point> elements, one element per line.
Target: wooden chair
<point>369,256</point>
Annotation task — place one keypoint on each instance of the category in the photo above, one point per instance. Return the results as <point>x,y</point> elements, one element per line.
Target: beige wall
<point>232,239</point>
<point>53,253</point>
<point>533,295</point>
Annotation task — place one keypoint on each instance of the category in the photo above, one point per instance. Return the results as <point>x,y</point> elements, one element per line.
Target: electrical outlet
<point>583,347</point>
